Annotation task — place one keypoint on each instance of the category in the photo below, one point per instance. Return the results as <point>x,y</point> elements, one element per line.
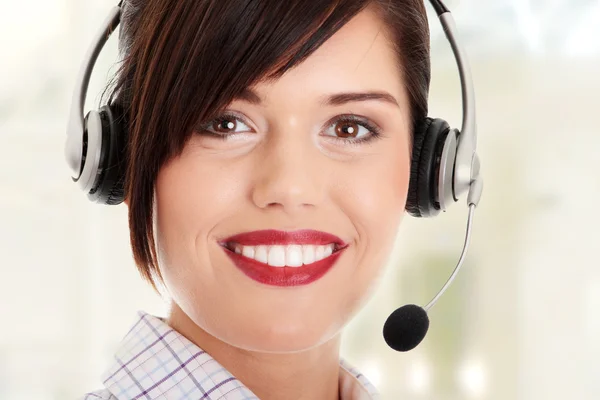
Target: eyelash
<point>375,132</point>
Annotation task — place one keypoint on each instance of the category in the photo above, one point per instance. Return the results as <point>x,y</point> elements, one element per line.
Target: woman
<point>269,159</point>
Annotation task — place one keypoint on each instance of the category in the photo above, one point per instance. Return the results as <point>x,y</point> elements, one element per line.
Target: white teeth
<point>320,252</point>
<point>248,251</point>
<point>293,255</point>
<point>276,256</point>
<point>260,254</point>
<point>308,254</point>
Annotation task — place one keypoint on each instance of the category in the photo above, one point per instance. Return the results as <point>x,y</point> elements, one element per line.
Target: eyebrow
<point>336,99</point>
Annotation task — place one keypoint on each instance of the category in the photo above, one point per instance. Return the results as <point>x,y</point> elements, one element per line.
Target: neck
<point>310,374</point>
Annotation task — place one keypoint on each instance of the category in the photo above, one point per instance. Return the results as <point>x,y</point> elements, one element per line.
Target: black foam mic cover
<point>406,327</point>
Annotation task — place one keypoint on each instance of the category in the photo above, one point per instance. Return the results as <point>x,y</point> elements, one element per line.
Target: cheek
<point>186,190</point>
<point>378,199</point>
<point>375,204</point>
<point>192,197</point>
<point>382,200</point>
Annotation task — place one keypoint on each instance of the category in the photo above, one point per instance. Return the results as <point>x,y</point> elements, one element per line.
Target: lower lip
<point>283,276</point>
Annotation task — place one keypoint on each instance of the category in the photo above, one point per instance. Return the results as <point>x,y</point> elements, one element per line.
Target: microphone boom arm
<point>460,261</point>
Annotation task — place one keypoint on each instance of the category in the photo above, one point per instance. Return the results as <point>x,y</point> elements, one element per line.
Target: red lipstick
<point>283,276</point>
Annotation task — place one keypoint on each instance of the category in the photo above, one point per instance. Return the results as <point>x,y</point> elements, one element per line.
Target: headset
<point>444,163</point>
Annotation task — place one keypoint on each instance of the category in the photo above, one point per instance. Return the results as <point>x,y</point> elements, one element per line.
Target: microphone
<point>406,327</point>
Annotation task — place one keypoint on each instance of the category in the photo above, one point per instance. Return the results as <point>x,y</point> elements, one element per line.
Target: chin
<point>281,339</point>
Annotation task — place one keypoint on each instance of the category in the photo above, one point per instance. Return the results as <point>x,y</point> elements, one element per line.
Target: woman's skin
<point>282,169</point>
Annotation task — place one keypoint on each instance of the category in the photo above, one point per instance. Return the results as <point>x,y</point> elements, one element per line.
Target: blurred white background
<point>522,320</point>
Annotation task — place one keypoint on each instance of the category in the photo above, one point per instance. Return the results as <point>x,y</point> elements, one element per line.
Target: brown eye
<point>351,128</point>
<point>224,125</point>
<point>346,129</point>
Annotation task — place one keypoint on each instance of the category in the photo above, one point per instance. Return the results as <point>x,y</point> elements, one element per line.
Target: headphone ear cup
<point>412,202</point>
<point>110,187</point>
<point>428,145</point>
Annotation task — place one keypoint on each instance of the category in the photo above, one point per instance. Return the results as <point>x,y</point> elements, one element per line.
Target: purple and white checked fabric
<point>155,362</point>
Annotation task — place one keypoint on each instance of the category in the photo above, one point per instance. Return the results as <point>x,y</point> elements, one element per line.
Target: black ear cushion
<point>422,199</point>
<point>412,201</point>
<point>110,188</point>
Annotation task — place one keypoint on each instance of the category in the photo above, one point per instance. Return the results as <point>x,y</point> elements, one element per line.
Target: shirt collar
<point>155,361</point>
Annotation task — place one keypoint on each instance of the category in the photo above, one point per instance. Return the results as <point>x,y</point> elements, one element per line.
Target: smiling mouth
<point>289,255</point>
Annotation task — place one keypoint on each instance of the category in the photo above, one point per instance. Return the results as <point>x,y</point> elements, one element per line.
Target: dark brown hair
<point>185,60</point>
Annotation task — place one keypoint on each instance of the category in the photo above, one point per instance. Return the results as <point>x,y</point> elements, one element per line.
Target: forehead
<point>358,57</point>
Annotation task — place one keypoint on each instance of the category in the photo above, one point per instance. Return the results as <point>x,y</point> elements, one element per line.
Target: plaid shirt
<point>155,362</point>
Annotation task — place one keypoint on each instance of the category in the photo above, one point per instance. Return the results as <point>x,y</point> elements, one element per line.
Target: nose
<point>287,173</point>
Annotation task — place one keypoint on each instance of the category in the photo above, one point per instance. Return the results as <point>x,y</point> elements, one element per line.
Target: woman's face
<point>289,164</point>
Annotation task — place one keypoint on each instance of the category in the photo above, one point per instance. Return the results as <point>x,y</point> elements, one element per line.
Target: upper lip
<point>271,237</point>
